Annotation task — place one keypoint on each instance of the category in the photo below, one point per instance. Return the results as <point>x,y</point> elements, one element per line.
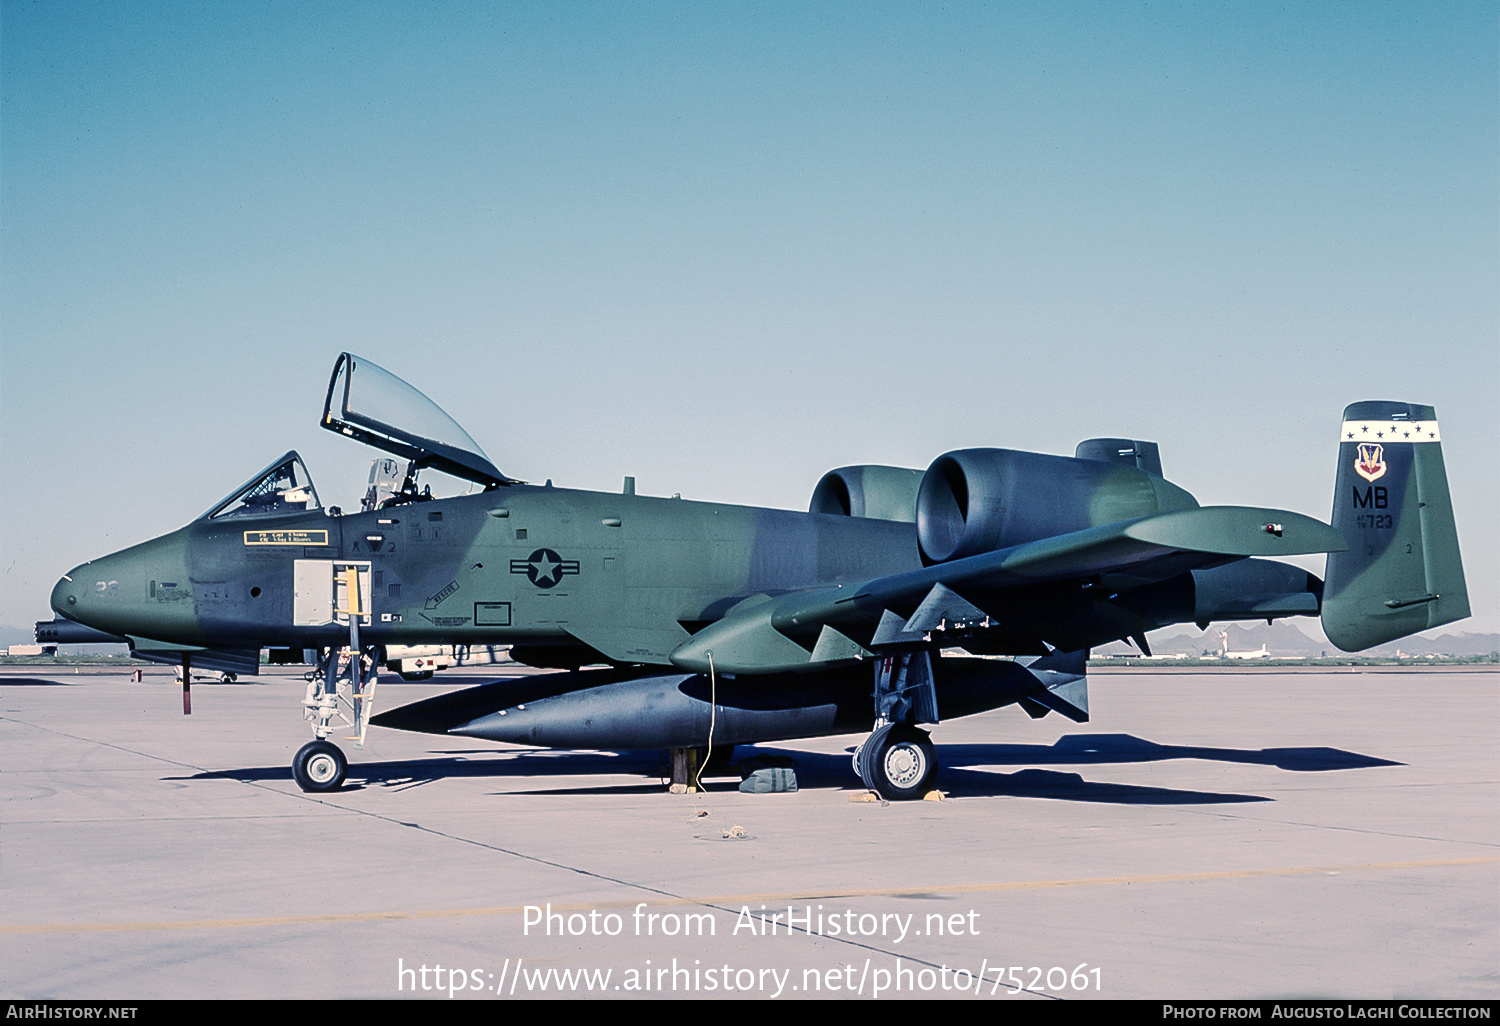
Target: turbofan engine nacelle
<point>873,492</point>
<point>979,500</point>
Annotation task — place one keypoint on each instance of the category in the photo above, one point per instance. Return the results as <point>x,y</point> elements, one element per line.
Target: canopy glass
<point>368,402</point>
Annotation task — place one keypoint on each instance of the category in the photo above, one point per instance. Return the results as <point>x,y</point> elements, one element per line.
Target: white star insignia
<point>545,568</point>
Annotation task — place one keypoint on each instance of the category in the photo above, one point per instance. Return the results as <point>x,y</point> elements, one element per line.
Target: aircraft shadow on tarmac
<point>1091,749</point>
<point>961,776</point>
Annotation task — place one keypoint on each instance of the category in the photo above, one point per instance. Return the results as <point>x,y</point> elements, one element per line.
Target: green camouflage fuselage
<point>514,565</point>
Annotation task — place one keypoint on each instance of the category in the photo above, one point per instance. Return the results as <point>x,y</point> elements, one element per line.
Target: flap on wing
<point>760,639</point>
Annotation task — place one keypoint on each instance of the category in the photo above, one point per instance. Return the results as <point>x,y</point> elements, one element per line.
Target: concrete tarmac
<point>1208,835</point>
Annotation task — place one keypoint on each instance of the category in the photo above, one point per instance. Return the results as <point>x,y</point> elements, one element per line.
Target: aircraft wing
<point>1081,575</point>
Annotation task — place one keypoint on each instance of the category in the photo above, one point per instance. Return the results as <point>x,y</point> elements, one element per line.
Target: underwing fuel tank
<point>606,709</point>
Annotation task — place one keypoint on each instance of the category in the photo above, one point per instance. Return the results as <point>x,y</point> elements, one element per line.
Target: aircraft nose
<point>65,594</point>
<point>120,593</point>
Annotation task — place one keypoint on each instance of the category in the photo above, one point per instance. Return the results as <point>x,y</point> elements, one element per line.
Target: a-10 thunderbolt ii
<point>684,625</point>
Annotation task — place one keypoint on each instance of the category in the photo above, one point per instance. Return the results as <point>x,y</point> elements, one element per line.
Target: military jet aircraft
<point>901,598</point>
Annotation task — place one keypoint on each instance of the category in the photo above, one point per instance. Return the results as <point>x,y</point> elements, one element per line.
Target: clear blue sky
<point>726,247</point>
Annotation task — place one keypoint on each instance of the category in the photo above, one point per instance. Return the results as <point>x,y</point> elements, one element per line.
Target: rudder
<point>1402,572</point>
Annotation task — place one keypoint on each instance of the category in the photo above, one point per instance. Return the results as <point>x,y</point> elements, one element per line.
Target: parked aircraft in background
<point>1260,653</point>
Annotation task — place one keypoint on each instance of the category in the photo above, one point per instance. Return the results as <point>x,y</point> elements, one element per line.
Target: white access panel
<point>312,592</point>
<point>318,589</point>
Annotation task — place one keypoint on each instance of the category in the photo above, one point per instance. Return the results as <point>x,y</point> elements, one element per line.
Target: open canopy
<point>368,402</point>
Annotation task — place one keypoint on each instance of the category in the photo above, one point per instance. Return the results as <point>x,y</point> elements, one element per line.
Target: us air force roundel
<point>544,568</point>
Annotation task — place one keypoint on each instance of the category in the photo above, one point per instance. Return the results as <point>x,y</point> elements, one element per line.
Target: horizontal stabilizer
<point>1254,589</point>
<point>1150,548</point>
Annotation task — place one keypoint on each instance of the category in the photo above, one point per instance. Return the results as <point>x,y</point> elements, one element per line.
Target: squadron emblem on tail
<point>1370,463</point>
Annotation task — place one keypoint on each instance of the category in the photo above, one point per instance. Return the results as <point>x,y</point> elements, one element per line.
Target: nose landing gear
<point>319,766</point>
<point>341,691</point>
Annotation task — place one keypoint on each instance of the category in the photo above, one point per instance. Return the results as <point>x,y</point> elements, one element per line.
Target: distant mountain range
<point>1283,639</point>
<point>16,636</point>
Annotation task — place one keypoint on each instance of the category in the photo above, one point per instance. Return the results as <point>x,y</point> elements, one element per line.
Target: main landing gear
<point>897,762</point>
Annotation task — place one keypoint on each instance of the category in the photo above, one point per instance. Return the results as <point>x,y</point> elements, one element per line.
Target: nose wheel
<point>319,766</point>
<point>897,762</point>
<point>340,692</point>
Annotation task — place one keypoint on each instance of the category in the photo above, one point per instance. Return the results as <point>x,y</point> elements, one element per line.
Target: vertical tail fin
<point>1402,572</point>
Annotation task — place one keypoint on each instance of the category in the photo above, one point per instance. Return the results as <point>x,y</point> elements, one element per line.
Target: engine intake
<point>877,493</point>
